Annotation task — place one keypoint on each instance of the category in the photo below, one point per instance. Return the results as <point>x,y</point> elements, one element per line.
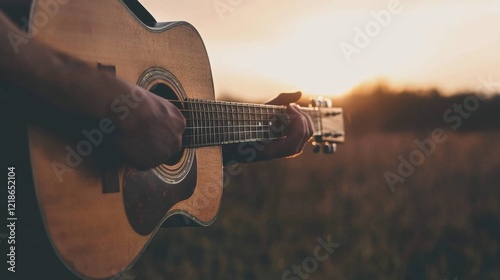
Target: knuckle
<point>177,143</point>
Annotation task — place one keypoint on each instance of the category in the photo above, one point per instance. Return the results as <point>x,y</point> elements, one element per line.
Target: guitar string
<point>253,110</point>
<point>312,114</point>
<point>230,126</point>
<point>211,110</point>
<point>246,132</point>
<point>227,126</point>
<point>252,128</point>
<point>232,140</point>
<point>197,141</point>
<point>233,134</point>
<point>244,136</point>
<point>238,105</point>
<point>234,125</point>
<point>241,120</point>
<point>226,133</point>
<point>220,102</point>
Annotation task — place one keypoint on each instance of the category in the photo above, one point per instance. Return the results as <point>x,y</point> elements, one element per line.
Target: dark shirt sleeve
<point>17,10</point>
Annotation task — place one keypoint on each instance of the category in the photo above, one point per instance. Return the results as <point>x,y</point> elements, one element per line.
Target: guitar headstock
<point>328,123</point>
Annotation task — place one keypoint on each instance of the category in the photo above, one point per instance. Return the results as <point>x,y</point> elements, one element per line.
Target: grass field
<point>443,222</point>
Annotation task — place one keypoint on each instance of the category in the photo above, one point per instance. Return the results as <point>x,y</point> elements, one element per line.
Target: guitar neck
<point>213,123</point>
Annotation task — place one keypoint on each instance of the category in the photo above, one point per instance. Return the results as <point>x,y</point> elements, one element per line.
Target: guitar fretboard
<point>211,123</point>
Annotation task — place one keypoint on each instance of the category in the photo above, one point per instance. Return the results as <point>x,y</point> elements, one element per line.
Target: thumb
<point>285,98</point>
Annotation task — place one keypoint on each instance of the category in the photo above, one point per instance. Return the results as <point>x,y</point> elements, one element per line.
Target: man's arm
<point>148,136</point>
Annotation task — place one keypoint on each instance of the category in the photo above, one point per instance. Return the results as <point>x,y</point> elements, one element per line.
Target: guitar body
<point>99,220</point>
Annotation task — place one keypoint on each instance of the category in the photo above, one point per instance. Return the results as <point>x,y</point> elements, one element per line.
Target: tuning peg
<point>316,147</point>
<point>320,102</point>
<point>329,148</point>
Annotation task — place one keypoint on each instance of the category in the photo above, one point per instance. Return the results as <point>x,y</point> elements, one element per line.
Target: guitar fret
<point>241,125</point>
<point>259,122</point>
<point>247,123</point>
<point>233,127</point>
<point>238,119</point>
<point>234,116</point>
<point>226,129</point>
<point>193,131</point>
<point>212,124</point>
<point>199,126</point>
<point>252,121</point>
<point>260,132</point>
<point>266,127</point>
<point>217,107</point>
<point>207,122</point>
<point>227,124</point>
<point>216,123</point>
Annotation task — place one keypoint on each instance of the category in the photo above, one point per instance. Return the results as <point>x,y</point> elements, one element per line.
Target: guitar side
<point>98,233</point>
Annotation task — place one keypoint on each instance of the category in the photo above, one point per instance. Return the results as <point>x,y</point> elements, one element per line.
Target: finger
<point>308,125</point>
<point>285,98</point>
<point>302,127</point>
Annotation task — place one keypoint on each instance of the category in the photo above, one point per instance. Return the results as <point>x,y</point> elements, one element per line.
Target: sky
<point>258,48</point>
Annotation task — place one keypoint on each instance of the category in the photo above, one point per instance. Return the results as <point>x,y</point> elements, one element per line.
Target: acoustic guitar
<point>99,219</point>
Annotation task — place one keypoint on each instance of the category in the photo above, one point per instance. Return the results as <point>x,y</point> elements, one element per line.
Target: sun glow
<point>261,48</point>
<point>306,58</point>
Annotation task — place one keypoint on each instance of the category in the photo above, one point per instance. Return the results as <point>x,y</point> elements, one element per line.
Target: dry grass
<point>442,223</point>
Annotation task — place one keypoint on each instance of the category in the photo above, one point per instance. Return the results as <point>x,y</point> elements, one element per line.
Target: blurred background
<point>400,69</point>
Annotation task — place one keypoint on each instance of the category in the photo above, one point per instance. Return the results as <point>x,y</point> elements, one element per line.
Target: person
<point>40,85</point>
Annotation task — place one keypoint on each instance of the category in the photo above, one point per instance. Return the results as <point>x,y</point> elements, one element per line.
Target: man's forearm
<point>146,136</point>
<point>42,74</point>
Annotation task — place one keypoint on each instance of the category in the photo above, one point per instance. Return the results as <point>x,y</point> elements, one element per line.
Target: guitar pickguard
<point>147,198</point>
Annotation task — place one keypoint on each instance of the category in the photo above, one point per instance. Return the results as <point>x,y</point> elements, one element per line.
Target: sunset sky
<point>258,48</point>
